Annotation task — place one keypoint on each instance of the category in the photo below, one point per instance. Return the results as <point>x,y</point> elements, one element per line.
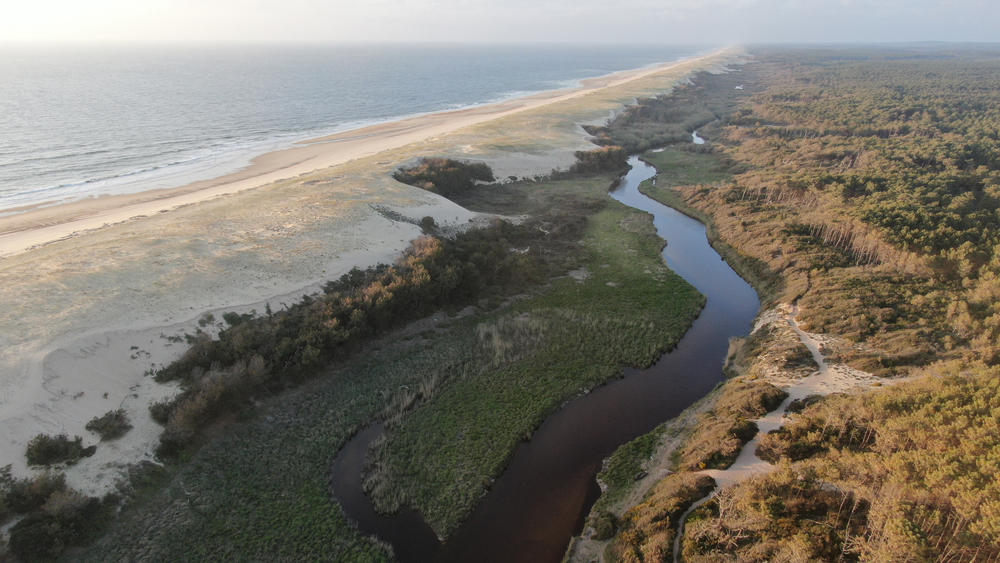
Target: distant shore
<point>43,225</point>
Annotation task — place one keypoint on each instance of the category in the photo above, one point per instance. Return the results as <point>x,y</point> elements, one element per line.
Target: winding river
<point>541,499</point>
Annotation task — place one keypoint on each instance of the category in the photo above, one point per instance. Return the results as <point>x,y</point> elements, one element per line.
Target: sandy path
<point>830,378</point>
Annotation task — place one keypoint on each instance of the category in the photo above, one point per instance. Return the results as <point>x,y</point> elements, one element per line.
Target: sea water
<point>78,121</point>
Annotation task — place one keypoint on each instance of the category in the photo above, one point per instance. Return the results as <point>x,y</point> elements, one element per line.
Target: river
<point>543,496</point>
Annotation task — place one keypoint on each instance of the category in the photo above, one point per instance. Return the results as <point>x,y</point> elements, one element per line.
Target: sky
<point>500,21</point>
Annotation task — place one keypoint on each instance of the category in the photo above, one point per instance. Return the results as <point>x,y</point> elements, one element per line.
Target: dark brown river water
<point>541,499</point>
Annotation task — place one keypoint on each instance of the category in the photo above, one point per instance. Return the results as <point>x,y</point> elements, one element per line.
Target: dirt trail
<point>830,378</point>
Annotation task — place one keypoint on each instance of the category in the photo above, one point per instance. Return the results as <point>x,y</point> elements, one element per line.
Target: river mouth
<point>543,496</point>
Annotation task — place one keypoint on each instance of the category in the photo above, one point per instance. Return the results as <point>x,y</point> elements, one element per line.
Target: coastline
<point>87,281</point>
<point>42,225</point>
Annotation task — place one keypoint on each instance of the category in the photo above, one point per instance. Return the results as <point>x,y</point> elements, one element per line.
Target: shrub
<point>428,225</point>
<point>646,531</point>
<point>160,411</point>
<point>67,519</point>
<point>38,536</point>
<point>445,176</point>
<point>605,526</point>
<point>114,424</point>
<point>722,432</point>
<point>25,495</point>
<point>47,450</point>
<point>604,159</point>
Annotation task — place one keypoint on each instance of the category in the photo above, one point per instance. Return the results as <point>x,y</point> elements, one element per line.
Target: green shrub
<point>604,159</point>
<point>25,495</point>
<point>428,225</point>
<point>47,450</point>
<point>605,526</point>
<point>113,424</point>
<point>445,176</point>
<point>160,411</point>
<point>67,519</point>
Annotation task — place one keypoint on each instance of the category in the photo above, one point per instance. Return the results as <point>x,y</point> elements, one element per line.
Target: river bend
<point>542,497</point>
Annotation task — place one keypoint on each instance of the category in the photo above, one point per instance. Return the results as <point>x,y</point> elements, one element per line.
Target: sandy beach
<point>100,291</point>
<point>35,227</point>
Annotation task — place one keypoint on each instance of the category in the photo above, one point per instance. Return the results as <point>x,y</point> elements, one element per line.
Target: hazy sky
<point>616,21</point>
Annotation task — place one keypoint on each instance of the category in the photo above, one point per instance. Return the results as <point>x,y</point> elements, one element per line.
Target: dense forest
<point>865,188</point>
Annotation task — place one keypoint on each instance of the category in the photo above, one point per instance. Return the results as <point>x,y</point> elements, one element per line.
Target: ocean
<point>80,121</point>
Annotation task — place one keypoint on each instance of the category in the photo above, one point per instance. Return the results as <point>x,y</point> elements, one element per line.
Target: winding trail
<point>829,378</point>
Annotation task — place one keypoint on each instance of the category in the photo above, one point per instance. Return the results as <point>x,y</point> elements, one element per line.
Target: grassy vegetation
<point>685,165</point>
<point>627,311</point>
<point>694,165</point>
<point>626,464</point>
<point>259,491</point>
<point>661,120</point>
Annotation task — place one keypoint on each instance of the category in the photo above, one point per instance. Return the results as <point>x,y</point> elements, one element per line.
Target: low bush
<point>788,515</point>
<point>605,526</point>
<point>47,450</point>
<point>647,530</point>
<point>428,225</point>
<point>160,411</point>
<point>722,432</point>
<point>20,496</point>
<point>113,424</point>
<point>445,176</point>
<point>68,518</point>
<point>604,159</point>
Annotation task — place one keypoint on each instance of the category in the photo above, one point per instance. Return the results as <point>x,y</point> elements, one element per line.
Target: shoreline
<point>40,225</point>
<point>77,307</point>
